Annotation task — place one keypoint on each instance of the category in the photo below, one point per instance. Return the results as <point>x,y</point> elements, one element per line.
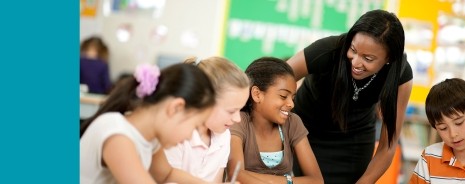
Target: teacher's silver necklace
<point>357,90</point>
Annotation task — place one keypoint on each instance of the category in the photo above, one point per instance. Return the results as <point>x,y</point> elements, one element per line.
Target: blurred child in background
<point>94,70</point>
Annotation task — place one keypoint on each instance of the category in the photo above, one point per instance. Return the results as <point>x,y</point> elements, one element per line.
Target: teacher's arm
<point>299,65</point>
<point>384,154</point>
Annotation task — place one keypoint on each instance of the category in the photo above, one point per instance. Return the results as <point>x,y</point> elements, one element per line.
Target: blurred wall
<point>181,28</point>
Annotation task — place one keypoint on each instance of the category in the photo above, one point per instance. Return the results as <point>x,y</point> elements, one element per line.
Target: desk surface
<point>89,104</point>
<point>89,98</point>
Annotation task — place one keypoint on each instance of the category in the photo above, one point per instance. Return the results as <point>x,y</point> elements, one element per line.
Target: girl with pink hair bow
<point>142,116</point>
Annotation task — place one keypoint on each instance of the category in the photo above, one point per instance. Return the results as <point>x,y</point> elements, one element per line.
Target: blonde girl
<point>205,155</point>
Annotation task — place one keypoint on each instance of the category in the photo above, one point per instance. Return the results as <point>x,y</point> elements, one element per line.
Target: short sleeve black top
<point>313,99</point>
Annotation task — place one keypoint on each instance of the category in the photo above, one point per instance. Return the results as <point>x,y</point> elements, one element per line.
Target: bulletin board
<point>88,8</point>
<point>430,13</point>
<point>280,28</point>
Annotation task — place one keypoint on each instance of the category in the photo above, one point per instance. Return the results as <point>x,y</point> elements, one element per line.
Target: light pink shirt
<point>195,157</point>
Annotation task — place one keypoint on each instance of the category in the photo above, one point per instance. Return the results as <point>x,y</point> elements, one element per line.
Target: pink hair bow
<point>147,76</point>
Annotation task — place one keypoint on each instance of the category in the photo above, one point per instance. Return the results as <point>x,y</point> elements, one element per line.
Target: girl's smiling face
<point>278,99</point>
<point>227,109</point>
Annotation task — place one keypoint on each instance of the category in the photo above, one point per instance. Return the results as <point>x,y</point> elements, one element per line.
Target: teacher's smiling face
<point>366,55</point>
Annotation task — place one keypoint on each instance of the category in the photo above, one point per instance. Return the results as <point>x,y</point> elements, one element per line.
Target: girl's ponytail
<point>122,99</point>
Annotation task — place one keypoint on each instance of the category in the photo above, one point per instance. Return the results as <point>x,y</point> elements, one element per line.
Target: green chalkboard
<point>279,28</point>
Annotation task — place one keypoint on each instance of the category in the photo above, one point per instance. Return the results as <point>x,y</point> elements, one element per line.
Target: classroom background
<point>164,32</point>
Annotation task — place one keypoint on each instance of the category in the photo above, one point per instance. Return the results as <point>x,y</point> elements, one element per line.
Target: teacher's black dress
<point>342,156</point>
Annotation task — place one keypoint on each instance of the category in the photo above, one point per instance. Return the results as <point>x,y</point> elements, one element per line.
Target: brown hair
<point>98,44</point>
<point>446,98</point>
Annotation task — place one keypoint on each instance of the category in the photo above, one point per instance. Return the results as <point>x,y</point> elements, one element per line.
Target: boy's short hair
<point>446,98</point>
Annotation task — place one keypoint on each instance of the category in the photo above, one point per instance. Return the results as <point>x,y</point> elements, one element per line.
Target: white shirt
<point>91,147</point>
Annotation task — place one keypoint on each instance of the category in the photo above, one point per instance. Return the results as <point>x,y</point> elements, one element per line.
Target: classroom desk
<point>89,104</point>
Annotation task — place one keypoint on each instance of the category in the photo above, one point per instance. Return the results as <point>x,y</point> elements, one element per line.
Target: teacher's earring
<point>387,63</point>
